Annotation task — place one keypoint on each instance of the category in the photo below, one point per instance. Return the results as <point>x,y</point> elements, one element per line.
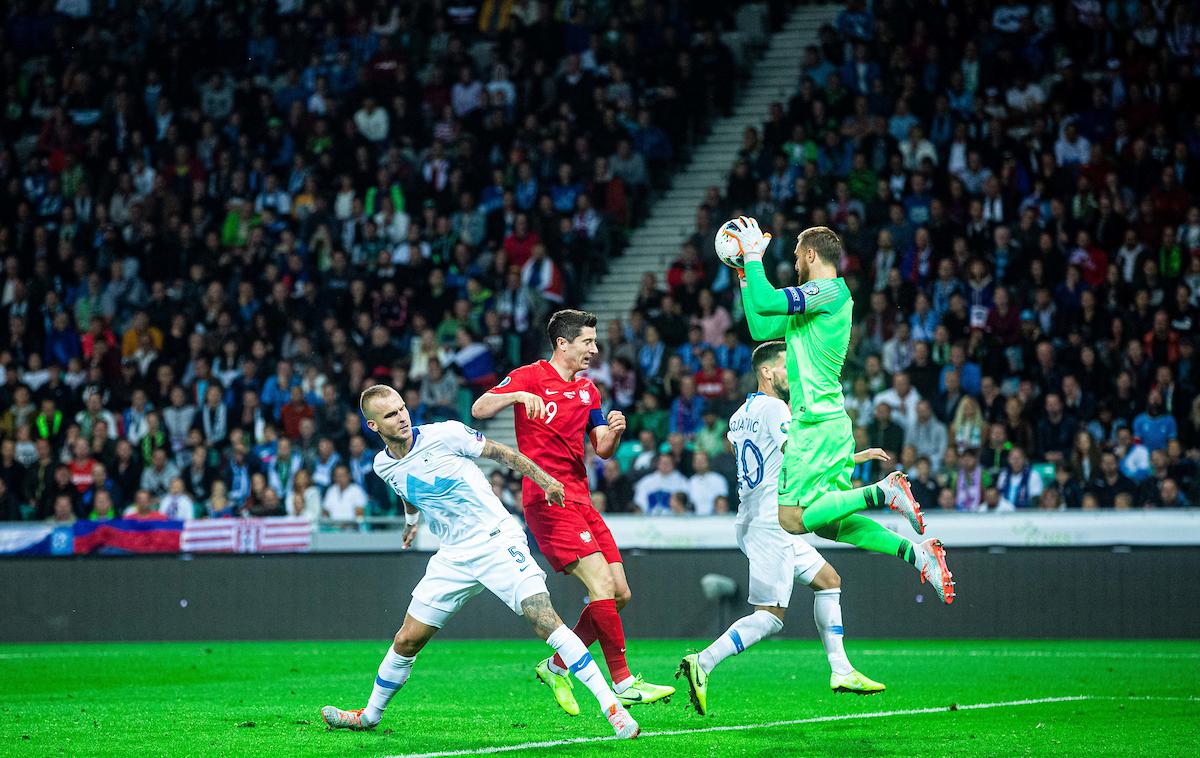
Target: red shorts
<point>566,534</point>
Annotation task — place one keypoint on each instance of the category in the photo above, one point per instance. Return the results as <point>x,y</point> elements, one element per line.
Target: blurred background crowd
<point>221,221</point>
<point>1017,187</point>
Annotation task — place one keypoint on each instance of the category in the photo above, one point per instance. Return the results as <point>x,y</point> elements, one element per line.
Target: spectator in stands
<point>923,484</point>
<point>143,508</point>
<point>1055,431</point>
<point>687,409</point>
<point>707,490</point>
<point>885,433</point>
<point>302,499</point>
<point>1153,426</point>
<point>103,507</point>
<point>971,481</point>
<point>902,398</point>
<point>617,487</point>
<point>1170,496</point>
<point>176,505</point>
<point>928,435</point>
<point>157,477</point>
<point>1019,485</point>
<point>62,513</point>
<point>652,494</point>
<point>344,500</point>
<point>1133,455</point>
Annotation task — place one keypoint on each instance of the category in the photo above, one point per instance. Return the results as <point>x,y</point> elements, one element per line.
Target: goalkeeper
<point>814,483</point>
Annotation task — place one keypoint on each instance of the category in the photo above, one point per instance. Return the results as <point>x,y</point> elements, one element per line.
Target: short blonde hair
<point>823,240</point>
<point>369,394</point>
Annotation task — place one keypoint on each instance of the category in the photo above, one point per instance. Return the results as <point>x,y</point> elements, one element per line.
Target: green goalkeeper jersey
<point>814,319</point>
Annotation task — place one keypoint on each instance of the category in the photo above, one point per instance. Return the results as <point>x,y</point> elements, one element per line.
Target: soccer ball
<point>728,249</point>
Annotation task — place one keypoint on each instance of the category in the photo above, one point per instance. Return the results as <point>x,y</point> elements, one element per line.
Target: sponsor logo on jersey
<point>585,536</point>
<point>569,393</point>
<point>551,392</point>
<point>504,383</point>
<point>585,396</point>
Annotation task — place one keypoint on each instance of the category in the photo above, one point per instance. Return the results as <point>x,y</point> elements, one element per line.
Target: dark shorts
<point>566,534</point>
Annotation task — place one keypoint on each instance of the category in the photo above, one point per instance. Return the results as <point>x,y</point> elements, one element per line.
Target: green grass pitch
<point>262,699</point>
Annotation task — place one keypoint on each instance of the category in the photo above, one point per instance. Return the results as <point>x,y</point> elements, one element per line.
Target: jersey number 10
<point>749,455</point>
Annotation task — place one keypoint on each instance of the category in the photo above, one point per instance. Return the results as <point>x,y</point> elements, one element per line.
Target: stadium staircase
<point>652,247</point>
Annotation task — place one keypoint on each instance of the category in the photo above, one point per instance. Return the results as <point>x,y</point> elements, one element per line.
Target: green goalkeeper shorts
<point>818,458</point>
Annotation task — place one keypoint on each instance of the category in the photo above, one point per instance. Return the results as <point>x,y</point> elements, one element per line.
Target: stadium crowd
<point>1018,189</point>
<point>220,221</point>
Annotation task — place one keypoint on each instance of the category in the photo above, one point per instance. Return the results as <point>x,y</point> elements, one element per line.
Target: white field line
<point>790,722</point>
<point>1023,654</point>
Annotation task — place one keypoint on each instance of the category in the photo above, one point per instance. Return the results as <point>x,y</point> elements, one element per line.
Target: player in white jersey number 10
<point>778,560</point>
<point>482,547</point>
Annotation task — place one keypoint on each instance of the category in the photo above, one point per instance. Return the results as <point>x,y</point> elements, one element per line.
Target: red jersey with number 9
<point>554,442</point>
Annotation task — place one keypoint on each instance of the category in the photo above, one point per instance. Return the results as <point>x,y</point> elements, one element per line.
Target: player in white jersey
<point>432,467</point>
<point>778,560</point>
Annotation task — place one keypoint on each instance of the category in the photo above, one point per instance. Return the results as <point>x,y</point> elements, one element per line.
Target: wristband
<point>411,519</point>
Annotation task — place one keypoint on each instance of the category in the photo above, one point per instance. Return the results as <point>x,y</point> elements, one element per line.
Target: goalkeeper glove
<point>751,239</point>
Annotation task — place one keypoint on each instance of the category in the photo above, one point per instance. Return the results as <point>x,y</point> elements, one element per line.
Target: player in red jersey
<point>554,412</point>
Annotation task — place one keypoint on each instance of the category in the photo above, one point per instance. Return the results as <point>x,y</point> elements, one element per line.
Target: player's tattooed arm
<point>541,614</point>
<point>519,462</point>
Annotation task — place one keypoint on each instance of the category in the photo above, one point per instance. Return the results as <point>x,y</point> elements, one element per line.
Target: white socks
<point>827,611</point>
<point>393,673</point>
<point>742,634</point>
<point>567,644</point>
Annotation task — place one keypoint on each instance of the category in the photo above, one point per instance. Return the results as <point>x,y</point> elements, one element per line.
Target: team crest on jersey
<point>809,289</point>
<point>506,381</point>
<point>585,396</point>
<point>585,536</point>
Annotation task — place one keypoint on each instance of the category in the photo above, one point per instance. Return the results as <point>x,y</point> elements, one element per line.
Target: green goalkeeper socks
<point>835,506</point>
<point>867,534</point>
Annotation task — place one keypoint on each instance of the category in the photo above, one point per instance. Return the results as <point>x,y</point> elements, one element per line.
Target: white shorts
<point>778,561</point>
<point>502,563</point>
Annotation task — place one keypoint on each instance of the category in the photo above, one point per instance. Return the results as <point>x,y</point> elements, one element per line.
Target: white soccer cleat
<point>336,718</point>
<point>931,563</point>
<point>899,497</point>
<point>622,723</point>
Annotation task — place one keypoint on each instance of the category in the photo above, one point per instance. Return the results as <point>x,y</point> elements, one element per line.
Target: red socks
<point>611,634</point>
<point>600,621</point>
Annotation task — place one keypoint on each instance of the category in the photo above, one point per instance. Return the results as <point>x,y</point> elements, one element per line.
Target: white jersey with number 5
<point>440,478</point>
<point>757,432</point>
